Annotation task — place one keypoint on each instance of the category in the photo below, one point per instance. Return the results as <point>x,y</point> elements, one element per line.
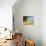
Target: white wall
<point>43,22</point>
<point>6,13</point>
<point>29,8</point>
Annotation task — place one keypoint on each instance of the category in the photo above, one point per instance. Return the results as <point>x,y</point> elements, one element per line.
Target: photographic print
<point>28,20</point>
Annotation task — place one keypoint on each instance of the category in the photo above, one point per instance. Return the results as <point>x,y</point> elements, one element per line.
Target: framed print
<point>28,20</point>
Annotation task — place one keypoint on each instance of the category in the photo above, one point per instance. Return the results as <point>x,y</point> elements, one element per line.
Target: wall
<point>43,22</point>
<point>6,16</point>
<point>6,13</point>
<point>29,8</point>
